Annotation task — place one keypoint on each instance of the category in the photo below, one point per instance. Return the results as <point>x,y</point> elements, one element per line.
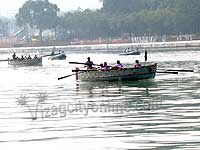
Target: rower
<point>105,66</point>
<point>52,53</point>
<point>89,63</point>
<point>100,67</point>
<point>29,57</point>
<point>22,58</point>
<point>126,50</point>
<point>14,56</point>
<point>118,66</point>
<point>137,64</point>
<point>35,57</point>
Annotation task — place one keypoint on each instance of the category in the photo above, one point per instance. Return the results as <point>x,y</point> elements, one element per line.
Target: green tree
<point>87,24</point>
<point>134,17</point>
<point>188,12</point>
<point>39,14</point>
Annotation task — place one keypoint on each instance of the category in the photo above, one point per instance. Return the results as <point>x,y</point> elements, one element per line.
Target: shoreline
<point>119,46</point>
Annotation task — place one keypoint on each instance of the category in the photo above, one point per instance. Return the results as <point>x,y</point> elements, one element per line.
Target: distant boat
<point>130,51</point>
<point>59,56</point>
<point>25,62</point>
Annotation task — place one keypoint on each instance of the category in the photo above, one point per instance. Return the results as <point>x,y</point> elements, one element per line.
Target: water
<point>38,111</point>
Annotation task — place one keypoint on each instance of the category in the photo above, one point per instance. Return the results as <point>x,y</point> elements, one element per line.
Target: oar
<point>180,70</point>
<point>82,63</point>
<point>70,75</point>
<point>76,63</point>
<point>66,76</point>
<point>85,64</point>
<point>83,70</point>
<point>77,72</point>
<point>46,55</point>
<point>170,72</point>
<point>6,60</point>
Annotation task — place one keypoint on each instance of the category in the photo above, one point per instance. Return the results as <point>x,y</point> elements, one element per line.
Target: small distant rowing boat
<point>59,56</point>
<point>130,53</point>
<point>25,62</point>
<point>127,51</point>
<point>144,72</point>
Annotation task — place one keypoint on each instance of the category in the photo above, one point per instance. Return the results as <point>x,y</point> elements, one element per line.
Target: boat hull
<point>130,53</point>
<point>58,57</point>
<point>26,62</point>
<point>145,72</point>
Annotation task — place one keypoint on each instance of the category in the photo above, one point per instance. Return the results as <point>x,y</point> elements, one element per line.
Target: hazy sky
<point>10,7</point>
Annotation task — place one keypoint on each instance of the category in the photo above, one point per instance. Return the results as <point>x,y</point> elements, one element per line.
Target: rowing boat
<point>25,62</point>
<point>144,72</point>
<point>130,53</point>
<point>59,56</point>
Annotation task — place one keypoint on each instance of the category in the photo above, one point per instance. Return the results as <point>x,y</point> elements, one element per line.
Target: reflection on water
<point>161,113</point>
<point>129,95</point>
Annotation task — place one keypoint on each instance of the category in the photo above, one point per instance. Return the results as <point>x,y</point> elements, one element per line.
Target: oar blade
<point>6,60</point>
<point>76,63</point>
<point>46,55</point>
<point>180,70</point>
<point>65,76</point>
<point>169,72</point>
<point>70,75</point>
<point>60,78</point>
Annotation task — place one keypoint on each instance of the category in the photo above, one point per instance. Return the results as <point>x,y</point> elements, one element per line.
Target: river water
<point>38,111</point>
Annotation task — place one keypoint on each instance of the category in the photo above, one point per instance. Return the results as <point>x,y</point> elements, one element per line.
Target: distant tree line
<point>115,18</point>
<point>3,27</point>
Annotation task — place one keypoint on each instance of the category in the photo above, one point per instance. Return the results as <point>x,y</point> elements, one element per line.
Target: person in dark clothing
<point>14,56</point>
<point>35,57</point>
<point>29,57</point>
<point>89,63</point>
<point>22,58</point>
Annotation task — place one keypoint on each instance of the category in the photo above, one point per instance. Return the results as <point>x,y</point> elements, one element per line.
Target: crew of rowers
<point>59,52</point>
<point>53,51</point>
<point>23,57</point>
<point>104,67</point>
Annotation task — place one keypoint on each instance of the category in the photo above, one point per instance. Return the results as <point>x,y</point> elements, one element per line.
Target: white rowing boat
<point>59,56</point>
<point>130,51</point>
<point>144,72</point>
